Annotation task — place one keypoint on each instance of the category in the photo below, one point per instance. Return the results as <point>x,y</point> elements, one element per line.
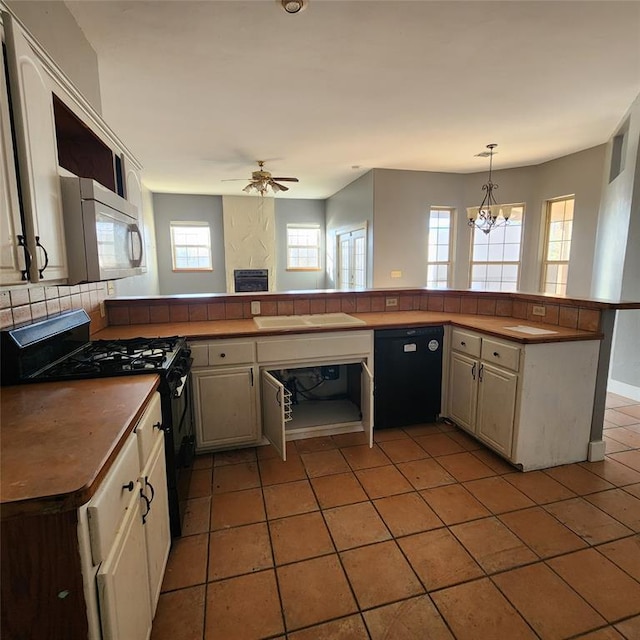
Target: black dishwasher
<point>408,376</point>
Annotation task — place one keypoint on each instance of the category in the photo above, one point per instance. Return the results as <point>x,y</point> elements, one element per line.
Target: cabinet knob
<point>128,486</point>
<point>463,343</point>
<point>496,354</point>
<point>223,355</point>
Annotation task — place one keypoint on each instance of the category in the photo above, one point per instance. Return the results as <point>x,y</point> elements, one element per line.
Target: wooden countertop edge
<point>74,499</point>
<point>245,328</point>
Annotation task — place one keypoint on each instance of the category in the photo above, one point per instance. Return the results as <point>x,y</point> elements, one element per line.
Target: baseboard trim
<point>624,389</point>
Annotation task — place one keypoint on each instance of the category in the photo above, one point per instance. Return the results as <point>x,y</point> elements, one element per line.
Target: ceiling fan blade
<point>277,187</point>
<point>233,179</point>
<point>286,179</point>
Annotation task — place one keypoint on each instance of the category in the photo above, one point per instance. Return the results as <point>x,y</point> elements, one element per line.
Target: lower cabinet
<point>123,584</point>
<point>531,403</point>
<point>482,400</point>
<point>128,527</point>
<point>225,406</point>
<point>281,388</point>
<point>495,415</point>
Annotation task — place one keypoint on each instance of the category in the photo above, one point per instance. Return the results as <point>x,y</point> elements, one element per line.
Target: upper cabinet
<point>53,130</point>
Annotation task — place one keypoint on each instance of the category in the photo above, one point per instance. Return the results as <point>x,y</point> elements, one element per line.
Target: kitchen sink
<point>301,322</point>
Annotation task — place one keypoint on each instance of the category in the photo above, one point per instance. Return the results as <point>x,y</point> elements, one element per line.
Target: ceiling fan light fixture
<point>293,6</point>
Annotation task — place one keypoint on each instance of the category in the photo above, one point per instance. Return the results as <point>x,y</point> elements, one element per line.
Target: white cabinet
<point>31,97</point>
<point>12,256</point>
<point>497,390</point>
<point>225,394</point>
<point>124,535</point>
<point>482,396</point>
<point>531,403</point>
<point>282,388</point>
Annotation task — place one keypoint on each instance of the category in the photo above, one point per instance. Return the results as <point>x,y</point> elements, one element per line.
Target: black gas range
<point>58,348</point>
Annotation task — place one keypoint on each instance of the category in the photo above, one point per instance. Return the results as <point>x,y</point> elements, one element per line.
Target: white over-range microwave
<point>104,241</point>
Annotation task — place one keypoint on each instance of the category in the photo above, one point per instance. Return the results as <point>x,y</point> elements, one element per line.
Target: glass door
<point>352,259</point>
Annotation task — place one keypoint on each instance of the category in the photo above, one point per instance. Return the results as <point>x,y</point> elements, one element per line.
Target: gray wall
<point>193,208</point>
<point>301,212</point>
<point>352,205</point>
<point>616,269</point>
<point>55,28</point>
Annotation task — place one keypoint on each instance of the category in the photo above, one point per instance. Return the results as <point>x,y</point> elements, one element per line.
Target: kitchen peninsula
<point>513,318</point>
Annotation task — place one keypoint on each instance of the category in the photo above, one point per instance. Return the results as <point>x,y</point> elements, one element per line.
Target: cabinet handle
<point>251,372</point>
<point>496,354</point>
<point>158,426</point>
<point>128,486</point>
<point>463,343</point>
<point>46,257</point>
<point>473,370</point>
<point>279,397</point>
<point>480,372</point>
<point>27,256</point>
<point>153,491</point>
<point>147,503</point>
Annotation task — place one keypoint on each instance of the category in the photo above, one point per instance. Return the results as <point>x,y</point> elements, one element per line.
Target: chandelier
<point>489,214</point>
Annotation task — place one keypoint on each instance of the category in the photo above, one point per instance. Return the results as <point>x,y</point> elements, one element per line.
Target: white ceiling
<point>200,90</point>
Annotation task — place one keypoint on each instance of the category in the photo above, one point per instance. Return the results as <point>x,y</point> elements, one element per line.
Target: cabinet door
<point>123,584</point>
<point>366,402</point>
<point>463,390</point>
<point>32,101</point>
<point>156,521</point>
<point>11,256</point>
<point>225,406</point>
<point>273,412</point>
<point>496,407</point>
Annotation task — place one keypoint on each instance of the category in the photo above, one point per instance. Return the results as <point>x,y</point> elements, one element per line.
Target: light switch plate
<point>111,289</point>
<point>538,311</point>
<point>391,302</point>
<point>255,308</point>
<point>396,273</point>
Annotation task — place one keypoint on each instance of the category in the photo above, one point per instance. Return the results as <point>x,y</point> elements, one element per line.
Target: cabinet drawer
<point>107,508</point>
<point>466,342</point>
<point>200,353</point>
<point>147,429</point>
<point>230,353</point>
<point>504,355</point>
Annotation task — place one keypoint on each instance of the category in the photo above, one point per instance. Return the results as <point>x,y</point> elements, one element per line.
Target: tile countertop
<point>493,325</point>
<point>59,439</point>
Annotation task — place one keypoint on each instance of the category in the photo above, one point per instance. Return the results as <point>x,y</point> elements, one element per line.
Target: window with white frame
<point>191,246</point>
<point>303,247</point>
<point>439,248</point>
<point>557,245</point>
<point>495,256</point>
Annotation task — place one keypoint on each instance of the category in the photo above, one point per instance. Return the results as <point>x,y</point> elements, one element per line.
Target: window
<point>439,247</point>
<point>303,247</point>
<point>557,245</point>
<point>495,256</point>
<point>191,246</point>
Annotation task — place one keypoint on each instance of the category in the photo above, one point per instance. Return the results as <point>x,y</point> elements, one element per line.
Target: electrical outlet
<point>102,310</point>
<point>391,302</point>
<point>111,288</point>
<point>255,308</point>
<point>538,311</point>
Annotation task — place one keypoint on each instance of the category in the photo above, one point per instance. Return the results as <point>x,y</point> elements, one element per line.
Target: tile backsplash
<point>28,303</point>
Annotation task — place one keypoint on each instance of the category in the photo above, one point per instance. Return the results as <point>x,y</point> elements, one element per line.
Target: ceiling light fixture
<point>293,6</point>
<point>489,214</point>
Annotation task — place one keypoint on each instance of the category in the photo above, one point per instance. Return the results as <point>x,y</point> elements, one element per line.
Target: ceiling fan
<point>261,180</point>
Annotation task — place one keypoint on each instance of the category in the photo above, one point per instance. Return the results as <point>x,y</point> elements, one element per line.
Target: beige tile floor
<point>426,536</point>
